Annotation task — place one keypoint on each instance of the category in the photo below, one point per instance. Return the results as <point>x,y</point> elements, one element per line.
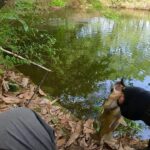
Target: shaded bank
<point>84,4</point>
<point>133,4</point>
<point>2,3</point>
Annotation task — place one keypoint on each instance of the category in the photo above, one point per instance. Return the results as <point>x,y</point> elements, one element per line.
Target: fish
<point>111,116</point>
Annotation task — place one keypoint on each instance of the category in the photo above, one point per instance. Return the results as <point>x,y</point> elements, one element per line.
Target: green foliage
<point>6,62</point>
<point>115,2</point>
<point>59,3</point>
<point>96,4</point>
<point>13,87</point>
<point>20,34</point>
<point>24,5</point>
<point>132,128</point>
<point>11,60</point>
<point>111,14</point>
<point>13,17</point>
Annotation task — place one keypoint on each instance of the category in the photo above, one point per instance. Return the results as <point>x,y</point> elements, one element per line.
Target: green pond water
<point>91,51</point>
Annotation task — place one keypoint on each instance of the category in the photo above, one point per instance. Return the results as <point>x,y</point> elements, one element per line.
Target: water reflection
<point>95,25</point>
<point>90,50</point>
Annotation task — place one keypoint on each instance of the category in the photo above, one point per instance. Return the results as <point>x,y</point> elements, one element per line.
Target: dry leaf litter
<point>71,133</point>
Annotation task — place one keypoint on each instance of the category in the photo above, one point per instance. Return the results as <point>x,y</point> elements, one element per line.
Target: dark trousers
<point>23,129</point>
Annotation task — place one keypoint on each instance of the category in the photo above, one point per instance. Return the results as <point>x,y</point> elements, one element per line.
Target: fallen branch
<point>54,101</point>
<point>22,58</point>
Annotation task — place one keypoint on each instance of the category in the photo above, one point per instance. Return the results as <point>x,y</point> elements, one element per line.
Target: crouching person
<point>23,129</point>
<point>134,103</point>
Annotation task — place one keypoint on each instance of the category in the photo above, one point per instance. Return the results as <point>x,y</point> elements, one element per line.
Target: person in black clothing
<point>23,129</point>
<point>134,104</point>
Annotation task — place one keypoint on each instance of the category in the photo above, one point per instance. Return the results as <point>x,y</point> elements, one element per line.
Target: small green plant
<point>132,128</point>
<point>24,5</point>
<point>116,3</point>
<point>19,34</point>
<point>111,14</point>
<point>96,4</point>
<point>59,3</point>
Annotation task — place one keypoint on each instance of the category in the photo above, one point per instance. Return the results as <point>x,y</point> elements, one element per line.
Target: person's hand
<point>121,99</point>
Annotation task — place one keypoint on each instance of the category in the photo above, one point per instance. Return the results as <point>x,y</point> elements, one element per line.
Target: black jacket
<point>136,105</point>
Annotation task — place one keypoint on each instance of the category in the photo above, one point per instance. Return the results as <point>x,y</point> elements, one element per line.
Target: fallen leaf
<point>60,114</point>
<point>41,92</point>
<point>45,102</point>
<point>11,75</point>
<point>72,139</point>
<point>112,144</point>
<point>55,110</point>
<point>11,100</point>
<point>72,124</point>
<point>32,87</point>
<point>59,134</point>
<point>43,111</point>
<point>68,116</point>
<point>127,148</point>
<point>64,120</point>
<point>76,134</point>
<point>88,126</point>
<point>121,147</point>
<point>87,136</point>
<point>83,142</point>
<point>5,85</point>
<point>93,146</point>
<point>48,118</point>
<point>2,106</point>
<point>26,95</point>
<point>61,142</point>
<point>25,82</point>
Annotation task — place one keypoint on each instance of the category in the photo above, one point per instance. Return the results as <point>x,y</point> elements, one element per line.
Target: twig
<point>54,101</point>
<point>36,90</point>
<point>20,57</point>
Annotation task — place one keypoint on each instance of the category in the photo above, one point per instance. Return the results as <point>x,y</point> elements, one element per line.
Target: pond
<point>90,52</point>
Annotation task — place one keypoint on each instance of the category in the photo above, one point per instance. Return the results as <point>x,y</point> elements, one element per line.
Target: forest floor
<point>71,133</point>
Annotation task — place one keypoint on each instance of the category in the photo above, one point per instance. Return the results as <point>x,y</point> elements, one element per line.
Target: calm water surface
<point>90,52</point>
